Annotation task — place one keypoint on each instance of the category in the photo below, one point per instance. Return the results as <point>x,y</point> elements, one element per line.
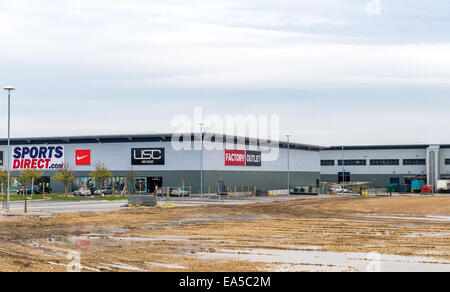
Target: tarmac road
<point>49,206</point>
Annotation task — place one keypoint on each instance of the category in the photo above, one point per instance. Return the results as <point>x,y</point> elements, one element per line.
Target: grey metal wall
<point>304,166</point>
<point>377,180</point>
<point>265,180</point>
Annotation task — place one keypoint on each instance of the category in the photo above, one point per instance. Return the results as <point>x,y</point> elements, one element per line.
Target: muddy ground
<point>252,237</point>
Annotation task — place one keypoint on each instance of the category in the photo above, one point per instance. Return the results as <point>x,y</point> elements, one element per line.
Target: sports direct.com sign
<point>38,157</point>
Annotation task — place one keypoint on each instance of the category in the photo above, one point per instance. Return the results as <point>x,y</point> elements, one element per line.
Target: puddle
<point>218,218</point>
<point>124,267</point>
<point>439,218</point>
<point>108,229</point>
<point>425,218</point>
<point>169,266</point>
<point>318,261</point>
<point>430,234</point>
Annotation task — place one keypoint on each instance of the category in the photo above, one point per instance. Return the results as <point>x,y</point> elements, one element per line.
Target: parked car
<point>83,192</point>
<point>28,191</point>
<point>104,191</point>
<point>179,192</point>
<point>339,189</point>
<point>161,192</point>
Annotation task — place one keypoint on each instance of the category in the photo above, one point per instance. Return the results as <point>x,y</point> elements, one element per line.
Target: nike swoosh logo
<point>81,157</point>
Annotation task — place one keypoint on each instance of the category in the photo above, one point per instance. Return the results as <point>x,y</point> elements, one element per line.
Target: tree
<point>3,180</point>
<point>65,176</point>
<point>101,174</point>
<point>28,176</point>
<point>131,175</point>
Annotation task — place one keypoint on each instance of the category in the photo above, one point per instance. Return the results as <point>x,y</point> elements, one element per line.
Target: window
<point>447,161</point>
<point>356,162</point>
<point>385,162</point>
<point>414,162</point>
<point>327,162</point>
<point>343,177</point>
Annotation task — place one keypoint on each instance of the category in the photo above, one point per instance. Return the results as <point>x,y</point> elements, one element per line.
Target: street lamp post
<point>343,171</point>
<point>201,161</point>
<point>8,159</point>
<point>288,164</point>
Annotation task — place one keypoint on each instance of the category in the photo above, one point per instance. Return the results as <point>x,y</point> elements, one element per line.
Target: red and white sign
<point>234,157</point>
<point>82,157</point>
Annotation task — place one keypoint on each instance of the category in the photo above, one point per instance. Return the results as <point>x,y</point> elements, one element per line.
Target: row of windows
<point>363,162</point>
<point>385,162</point>
<point>414,162</point>
<point>353,162</point>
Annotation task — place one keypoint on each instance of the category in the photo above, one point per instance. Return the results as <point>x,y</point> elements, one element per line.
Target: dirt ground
<point>189,238</point>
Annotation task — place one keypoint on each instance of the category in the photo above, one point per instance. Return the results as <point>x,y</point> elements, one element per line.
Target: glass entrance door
<point>153,182</point>
<point>140,185</point>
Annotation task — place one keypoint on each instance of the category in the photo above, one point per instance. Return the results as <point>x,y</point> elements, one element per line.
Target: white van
<point>443,186</point>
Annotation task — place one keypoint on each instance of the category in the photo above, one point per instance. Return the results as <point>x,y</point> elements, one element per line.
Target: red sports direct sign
<point>82,157</point>
<point>38,157</point>
<point>234,157</point>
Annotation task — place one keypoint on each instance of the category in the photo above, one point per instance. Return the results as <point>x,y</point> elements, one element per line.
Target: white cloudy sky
<point>333,73</point>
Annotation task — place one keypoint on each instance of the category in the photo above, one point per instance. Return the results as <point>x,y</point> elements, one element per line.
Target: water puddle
<point>169,266</point>
<point>425,218</point>
<point>429,234</point>
<point>318,261</point>
<point>122,266</point>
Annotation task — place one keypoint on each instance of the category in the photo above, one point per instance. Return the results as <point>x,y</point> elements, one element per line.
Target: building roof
<point>133,138</point>
<point>381,147</point>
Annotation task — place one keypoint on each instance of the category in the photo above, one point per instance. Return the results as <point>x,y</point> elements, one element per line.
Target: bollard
<point>168,193</point>
<point>209,192</point>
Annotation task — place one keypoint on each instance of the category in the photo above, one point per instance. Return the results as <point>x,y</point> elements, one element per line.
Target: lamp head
<point>9,88</point>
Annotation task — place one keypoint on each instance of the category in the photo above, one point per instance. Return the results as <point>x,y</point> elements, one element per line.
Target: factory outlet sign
<point>242,158</point>
<point>147,156</point>
<point>82,157</point>
<point>38,157</point>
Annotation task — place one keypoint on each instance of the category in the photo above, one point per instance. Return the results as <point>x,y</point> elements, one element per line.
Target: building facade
<point>156,160</point>
<point>383,165</point>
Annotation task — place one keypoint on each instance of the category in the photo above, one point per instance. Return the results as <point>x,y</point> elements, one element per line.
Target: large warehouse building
<point>383,165</point>
<point>155,160</point>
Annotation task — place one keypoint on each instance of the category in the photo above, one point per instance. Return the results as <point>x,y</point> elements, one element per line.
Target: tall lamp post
<point>201,161</point>
<point>8,159</point>
<point>288,136</point>
<point>343,171</point>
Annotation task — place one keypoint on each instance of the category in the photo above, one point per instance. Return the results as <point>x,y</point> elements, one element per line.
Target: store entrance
<point>343,177</point>
<point>140,185</point>
<point>153,182</point>
<point>44,184</point>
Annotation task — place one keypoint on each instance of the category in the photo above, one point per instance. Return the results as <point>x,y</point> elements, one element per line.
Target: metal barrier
<point>142,200</point>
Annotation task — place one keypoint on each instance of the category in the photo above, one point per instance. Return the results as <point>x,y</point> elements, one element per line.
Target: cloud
<point>123,58</point>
